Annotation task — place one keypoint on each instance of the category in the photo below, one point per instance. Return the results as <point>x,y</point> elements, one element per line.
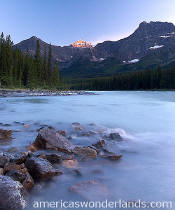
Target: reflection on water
<point>145,119</point>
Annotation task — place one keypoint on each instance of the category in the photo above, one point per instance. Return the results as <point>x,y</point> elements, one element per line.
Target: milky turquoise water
<point>145,119</point>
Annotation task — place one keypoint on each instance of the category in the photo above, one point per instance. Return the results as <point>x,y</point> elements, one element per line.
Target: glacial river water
<point>146,120</point>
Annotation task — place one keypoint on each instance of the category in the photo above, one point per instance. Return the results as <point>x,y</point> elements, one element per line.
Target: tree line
<point>21,70</point>
<point>137,80</point>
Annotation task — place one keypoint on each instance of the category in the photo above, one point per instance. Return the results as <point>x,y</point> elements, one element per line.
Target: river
<point>146,119</point>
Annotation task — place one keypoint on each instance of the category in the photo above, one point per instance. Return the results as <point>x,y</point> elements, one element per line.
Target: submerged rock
<point>12,194</point>
<point>49,138</point>
<point>5,134</point>
<point>77,126</point>
<point>85,151</point>
<point>70,163</point>
<point>90,190</point>
<point>41,169</point>
<point>100,144</point>
<point>114,136</point>
<point>87,133</point>
<point>26,125</point>
<point>111,156</point>
<point>107,150</point>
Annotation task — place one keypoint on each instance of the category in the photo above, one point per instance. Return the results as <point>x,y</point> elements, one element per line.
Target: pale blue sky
<point>62,22</point>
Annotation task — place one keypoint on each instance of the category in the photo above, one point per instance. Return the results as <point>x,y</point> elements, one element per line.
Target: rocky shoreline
<point>49,155</point>
<point>25,93</point>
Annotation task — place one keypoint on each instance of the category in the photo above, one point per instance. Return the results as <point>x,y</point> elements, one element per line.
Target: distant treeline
<point>138,80</point>
<point>21,70</point>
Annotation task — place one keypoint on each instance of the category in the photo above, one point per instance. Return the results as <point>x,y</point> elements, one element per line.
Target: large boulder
<point>12,194</point>
<point>90,190</point>
<point>85,152</point>
<point>5,134</point>
<point>41,169</point>
<point>49,138</point>
<point>70,163</point>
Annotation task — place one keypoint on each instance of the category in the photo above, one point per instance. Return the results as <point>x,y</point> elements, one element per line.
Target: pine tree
<point>38,63</point>
<point>49,67</point>
<point>45,68</point>
<point>55,75</point>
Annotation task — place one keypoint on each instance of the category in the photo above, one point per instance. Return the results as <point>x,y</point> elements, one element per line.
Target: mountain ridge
<point>153,38</point>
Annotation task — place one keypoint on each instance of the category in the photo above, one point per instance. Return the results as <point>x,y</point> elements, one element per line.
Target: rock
<point>90,190</point>
<point>77,172</point>
<point>48,138</point>
<point>112,156</point>
<point>70,163</point>
<point>67,156</point>
<point>87,133</point>
<point>77,126</point>
<point>41,169</point>
<point>16,157</point>
<point>28,182</point>
<point>26,125</point>
<point>5,125</point>
<point>85,151</point>
<point>109,147</point>
<point>107,150</point>
<point>12,166</point>
<point>62,132</point>
<point>5,134</point>
<point>20,173</point>
<point>52,158</point>
<point>100,144</point>
<point>32,148</point>
<point>1,171</point>
<point>3,160</point>
<point>114,136</point>
<point>12,194</point>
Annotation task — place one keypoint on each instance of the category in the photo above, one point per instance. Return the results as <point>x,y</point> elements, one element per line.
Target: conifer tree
<point>49,67</point>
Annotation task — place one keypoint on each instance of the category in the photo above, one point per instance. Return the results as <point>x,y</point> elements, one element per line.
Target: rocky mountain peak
<point>147,29</point>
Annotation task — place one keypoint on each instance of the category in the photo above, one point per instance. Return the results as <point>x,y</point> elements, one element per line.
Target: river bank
<point>26,92</point>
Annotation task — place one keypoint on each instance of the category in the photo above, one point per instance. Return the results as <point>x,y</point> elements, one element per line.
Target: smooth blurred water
<point>147,120</point>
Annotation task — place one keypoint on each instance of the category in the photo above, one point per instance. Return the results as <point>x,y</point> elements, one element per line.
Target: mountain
<point>150,45</point>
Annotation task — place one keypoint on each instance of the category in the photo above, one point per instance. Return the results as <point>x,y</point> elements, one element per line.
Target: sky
<point>62,22</point>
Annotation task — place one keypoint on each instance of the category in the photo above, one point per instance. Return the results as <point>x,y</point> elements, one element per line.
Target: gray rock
<point>49,138</point>
<point>3,159</point>
<point>12,194</point>
<point>16,157</point>
<point>41,169</point>
<point>85,152</point>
